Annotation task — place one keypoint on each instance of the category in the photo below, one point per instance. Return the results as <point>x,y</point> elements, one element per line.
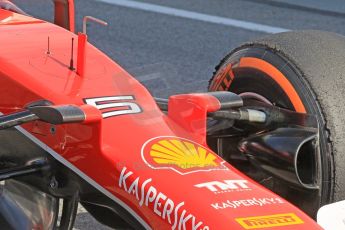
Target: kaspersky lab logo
<point>180,155</point>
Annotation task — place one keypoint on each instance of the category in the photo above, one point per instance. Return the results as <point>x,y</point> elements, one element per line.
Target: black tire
<point>314,63</point>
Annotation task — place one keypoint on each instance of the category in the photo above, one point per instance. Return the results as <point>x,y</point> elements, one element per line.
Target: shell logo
<point>180,155</point>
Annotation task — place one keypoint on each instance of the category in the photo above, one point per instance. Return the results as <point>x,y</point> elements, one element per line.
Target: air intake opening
<point>306,167</point>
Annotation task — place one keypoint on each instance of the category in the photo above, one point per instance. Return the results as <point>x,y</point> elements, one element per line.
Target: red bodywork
<point>132,158</point>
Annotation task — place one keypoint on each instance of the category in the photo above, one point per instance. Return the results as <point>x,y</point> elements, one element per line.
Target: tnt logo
<point>225,186</point>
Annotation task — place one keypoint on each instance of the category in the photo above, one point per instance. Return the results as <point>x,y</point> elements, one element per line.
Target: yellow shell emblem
<point>179,154</point>
<point>183,154</point>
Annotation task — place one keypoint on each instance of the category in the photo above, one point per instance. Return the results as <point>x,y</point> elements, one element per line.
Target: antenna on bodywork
<point>48,48</point>
<point>82,41</point>
<point>71,65</point>
<point>90,18</point>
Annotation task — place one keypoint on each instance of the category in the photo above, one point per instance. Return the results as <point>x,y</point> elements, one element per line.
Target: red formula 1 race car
<point>263,149</point>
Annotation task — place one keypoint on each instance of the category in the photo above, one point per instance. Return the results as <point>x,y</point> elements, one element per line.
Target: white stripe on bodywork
<point>149,7</point>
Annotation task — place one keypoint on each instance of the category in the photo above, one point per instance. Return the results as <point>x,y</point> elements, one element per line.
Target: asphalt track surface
<point>173,46</point>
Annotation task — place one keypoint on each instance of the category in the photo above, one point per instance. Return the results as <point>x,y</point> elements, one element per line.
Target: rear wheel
<point>301,71</point>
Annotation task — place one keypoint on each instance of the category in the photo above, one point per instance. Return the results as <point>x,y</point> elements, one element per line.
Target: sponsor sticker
<point>225,186</point>
<point>148,195</point>
<point>257,222</point>
<point>233,204</point>
<point>180,155</point>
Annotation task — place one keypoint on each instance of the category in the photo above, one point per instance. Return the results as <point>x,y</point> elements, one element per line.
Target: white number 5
<point>114,105</point>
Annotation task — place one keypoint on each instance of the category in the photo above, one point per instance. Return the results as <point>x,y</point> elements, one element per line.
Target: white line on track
<point>195,16</point>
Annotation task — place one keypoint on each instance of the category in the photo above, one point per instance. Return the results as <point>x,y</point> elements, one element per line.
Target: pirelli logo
<point>257,222</point>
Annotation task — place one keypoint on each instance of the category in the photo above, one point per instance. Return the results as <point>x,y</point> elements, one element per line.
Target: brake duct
<point>286,153</point>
